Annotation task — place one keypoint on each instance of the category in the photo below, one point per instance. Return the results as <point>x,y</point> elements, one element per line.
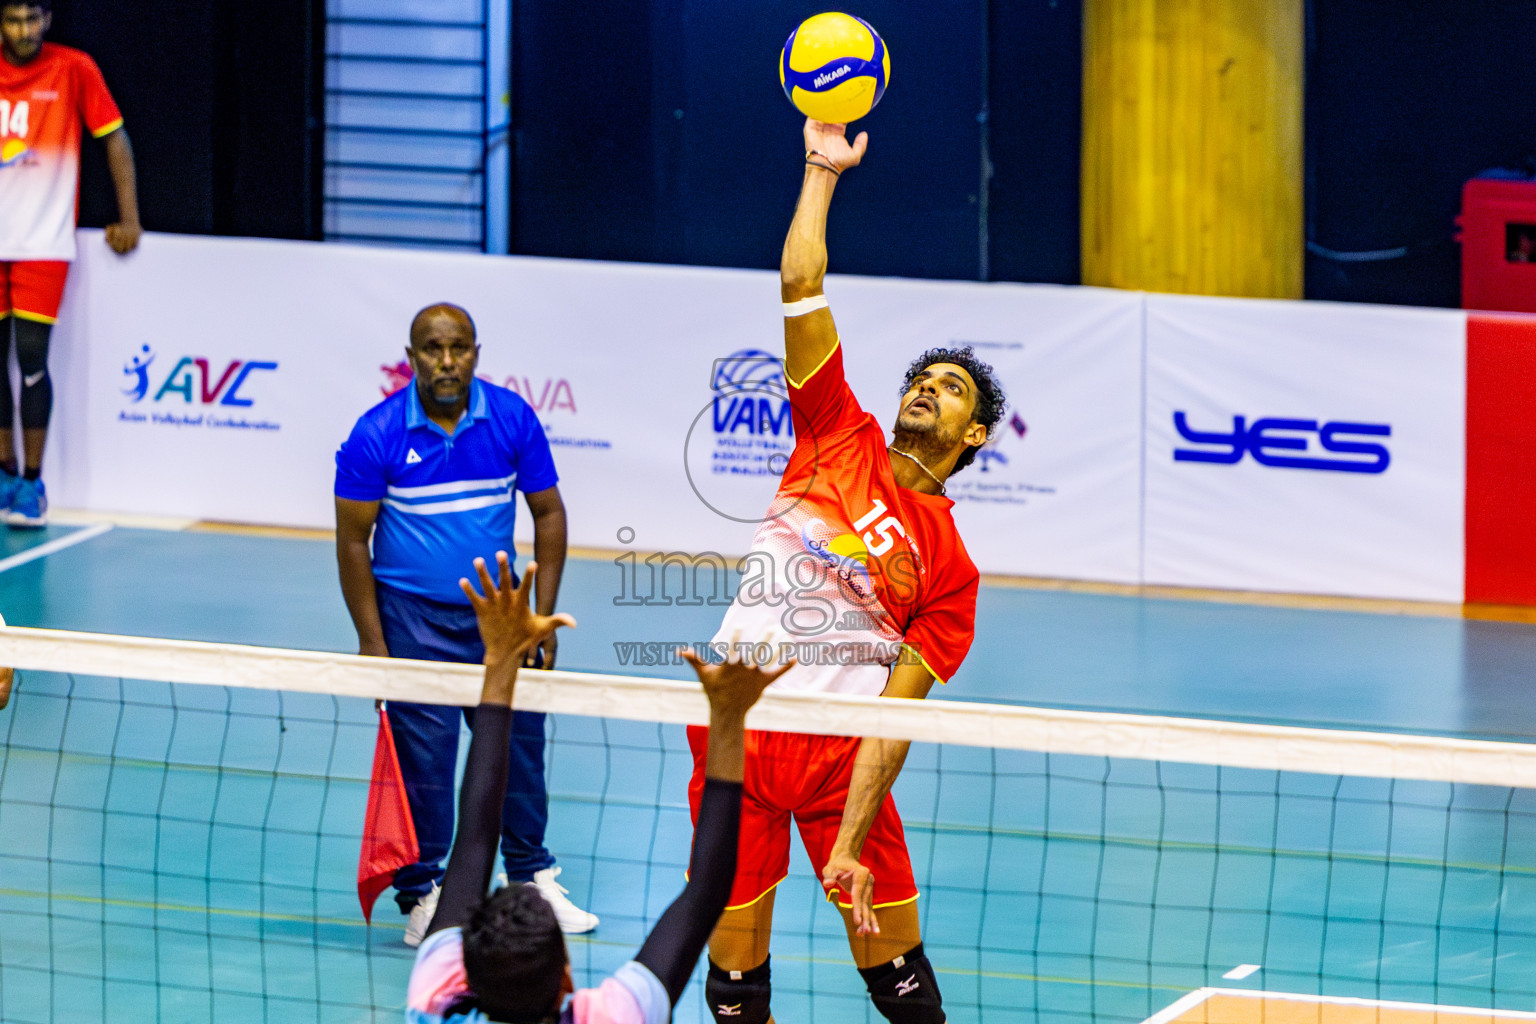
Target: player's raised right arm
<point>809,333</point>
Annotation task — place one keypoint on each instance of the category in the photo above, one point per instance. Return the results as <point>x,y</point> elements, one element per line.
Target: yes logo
<point>192,379</point>
<point>1276,441</point>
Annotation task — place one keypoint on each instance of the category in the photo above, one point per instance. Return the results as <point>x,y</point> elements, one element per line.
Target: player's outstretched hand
<point>732,686</point>
<point>509,628</point>
<point>831,141</point>
<point>844,871</point>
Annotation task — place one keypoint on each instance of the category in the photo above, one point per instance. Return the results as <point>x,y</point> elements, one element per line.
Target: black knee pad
<point>36,386</point>
<point>738,997</point>
<point>905,990</point>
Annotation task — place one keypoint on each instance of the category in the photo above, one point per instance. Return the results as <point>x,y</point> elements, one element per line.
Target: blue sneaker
<point>10,483</point>
<point>30,505</point>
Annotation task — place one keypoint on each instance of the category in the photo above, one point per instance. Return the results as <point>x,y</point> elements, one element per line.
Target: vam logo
<point>750,395</point>
<point>192,379</point>
<point>1275,441</point>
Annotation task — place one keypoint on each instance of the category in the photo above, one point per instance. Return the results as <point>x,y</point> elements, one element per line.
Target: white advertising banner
<point>1305,447</point>
<point>1057,491</point>
<point>214,378</point>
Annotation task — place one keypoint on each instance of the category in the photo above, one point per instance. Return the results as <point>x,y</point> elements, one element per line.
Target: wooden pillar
<point>1192,146</point>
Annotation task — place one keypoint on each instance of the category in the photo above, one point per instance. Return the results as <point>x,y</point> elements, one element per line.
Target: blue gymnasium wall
<point>221,99</point>
<point>675,144</point>
<point>1405,101</point>
<point>656,131</point>
<point>663,136</point>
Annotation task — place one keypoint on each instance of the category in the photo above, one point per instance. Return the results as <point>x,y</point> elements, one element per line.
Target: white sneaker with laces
<point>573,920</point>
<point>421,916</point>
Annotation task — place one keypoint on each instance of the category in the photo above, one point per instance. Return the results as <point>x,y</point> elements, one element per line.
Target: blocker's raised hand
<point>831,141</point>
<point>509,627</point>
<point>733,686</point>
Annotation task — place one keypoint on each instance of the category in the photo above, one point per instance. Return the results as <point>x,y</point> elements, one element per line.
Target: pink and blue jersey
<point>439,991</point>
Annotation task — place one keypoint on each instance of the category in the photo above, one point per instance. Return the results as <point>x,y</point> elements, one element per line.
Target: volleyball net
<point>180,826</point>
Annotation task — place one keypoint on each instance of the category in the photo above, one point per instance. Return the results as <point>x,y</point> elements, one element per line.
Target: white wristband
<point>804,306</point>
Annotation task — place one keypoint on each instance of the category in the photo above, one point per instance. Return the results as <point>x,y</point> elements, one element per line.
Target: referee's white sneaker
<point>573,920</point>
<point>421,916</point>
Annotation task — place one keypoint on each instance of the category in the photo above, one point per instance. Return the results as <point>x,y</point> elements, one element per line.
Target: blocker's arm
<point>509,629</point>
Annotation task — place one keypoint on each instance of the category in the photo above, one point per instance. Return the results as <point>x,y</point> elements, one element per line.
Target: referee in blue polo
<point>428,476</point>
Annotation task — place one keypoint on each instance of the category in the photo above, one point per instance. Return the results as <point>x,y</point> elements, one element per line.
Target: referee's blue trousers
<point>427,740</point>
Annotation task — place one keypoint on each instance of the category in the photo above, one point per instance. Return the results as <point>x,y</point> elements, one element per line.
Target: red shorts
<point>32,289</point>
<point>790,773</point>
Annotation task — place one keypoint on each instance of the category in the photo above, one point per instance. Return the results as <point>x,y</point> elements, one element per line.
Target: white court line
<point>1182,1005</point>
<point>1241,971</point>
<point>43,550</point>
<point>90,517</point>
<point>1198,996</point>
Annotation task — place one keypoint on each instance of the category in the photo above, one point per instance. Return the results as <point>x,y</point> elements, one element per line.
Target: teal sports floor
<point>187,854</point>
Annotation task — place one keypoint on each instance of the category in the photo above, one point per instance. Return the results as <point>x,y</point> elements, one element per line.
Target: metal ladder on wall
<point>409,133</point>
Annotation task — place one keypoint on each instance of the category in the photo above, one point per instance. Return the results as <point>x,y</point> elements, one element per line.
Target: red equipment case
<point>1498,244</point>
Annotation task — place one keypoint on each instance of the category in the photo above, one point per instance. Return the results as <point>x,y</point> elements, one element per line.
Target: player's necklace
<point>914,458</point>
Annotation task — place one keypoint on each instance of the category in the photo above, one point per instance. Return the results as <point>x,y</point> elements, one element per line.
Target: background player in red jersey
<point>47,92</point>
<point>859,569</point>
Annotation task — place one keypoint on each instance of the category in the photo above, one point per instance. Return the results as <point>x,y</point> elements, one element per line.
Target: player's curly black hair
<point>514,956</point>
<point>990,400</point>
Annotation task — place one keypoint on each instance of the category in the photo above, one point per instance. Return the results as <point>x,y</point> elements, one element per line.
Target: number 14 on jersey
<point>13,118</point>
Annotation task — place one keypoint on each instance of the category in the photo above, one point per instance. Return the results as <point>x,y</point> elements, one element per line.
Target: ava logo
<point>1287,444</point>
<point>396,377</point>
<point>750,395</point>
<point>992,451</point>
<point>13,152</point>
<point>556,394</point>
<point>192,379</point>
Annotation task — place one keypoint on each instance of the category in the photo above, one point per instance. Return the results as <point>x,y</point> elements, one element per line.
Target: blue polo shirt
<point>445,501</point>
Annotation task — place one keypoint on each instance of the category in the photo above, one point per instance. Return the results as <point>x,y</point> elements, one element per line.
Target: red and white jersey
<point>43,105</point>
<point>850,568</point>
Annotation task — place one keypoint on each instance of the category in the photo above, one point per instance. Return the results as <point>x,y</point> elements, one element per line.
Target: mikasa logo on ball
<point>832,76</point>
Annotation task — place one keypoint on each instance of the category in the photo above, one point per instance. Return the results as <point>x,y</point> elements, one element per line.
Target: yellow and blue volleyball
<point>834,68</point>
